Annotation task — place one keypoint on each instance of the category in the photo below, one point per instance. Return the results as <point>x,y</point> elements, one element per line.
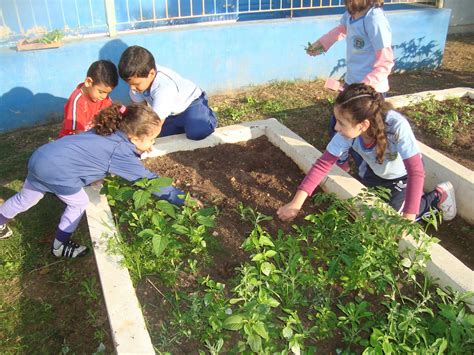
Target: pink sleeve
<point>317,172</point>
<point>336,34</point>
<point>415,181</point>
<point>383,65</point>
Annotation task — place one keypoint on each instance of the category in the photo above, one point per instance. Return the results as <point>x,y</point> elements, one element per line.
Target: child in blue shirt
<point>369,54</point>
<point>383,138</point>
<point>63,167</point>
<point>181,105</point>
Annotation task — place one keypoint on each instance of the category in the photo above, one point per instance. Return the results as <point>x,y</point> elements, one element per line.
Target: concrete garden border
<point>438,167</point>
<point>129,332</point>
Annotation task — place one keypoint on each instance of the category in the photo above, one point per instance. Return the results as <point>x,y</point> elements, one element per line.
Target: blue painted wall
<point>34,85</point>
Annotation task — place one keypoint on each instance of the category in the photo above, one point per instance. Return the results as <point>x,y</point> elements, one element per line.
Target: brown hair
<point>134,120</point>
<point>354,6</point>
<point>103,72</point>
<point>362,102</point>
<point>135,61</point>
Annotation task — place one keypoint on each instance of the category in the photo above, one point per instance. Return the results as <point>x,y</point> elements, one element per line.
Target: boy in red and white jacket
<point>89,98</point>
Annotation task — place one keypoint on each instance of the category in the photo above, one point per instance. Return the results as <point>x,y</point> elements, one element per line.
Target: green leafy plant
<point>158,237</point>
<point>444,119</point>
<point>341,271</point>
<point>53,36</point>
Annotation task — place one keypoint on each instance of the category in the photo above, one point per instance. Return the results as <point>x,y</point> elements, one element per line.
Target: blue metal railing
<point>24,18</point>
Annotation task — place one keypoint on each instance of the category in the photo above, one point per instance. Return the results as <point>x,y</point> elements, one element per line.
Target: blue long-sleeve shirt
<point>68,164</point>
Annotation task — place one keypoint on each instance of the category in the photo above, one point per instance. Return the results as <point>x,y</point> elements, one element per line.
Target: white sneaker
<point>69,250</point>
<point>5,232</point>
<point>447,200</point>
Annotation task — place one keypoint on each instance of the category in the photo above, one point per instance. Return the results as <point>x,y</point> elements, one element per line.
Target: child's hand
<point>314,49</point>
<point>97,183</point>
<point>333,84</point>
<point>288,212</point>
<point>193,202</point>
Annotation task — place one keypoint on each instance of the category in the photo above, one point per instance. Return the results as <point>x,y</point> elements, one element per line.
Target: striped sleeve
<point>74,119</point>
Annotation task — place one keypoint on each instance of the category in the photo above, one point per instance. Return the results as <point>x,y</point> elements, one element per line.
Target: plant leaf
<point>234,322</point>
<point>270,253</point>
<point>264,240</point>
<point>140,198</point>
<point>255,342</point>
<point>147,233</point>
<point>166,207</point>
<point>209,211</point>
<point>287,332</point>
<point>266,268</point>
<point>406,262</point>
<point>159,243</point>
<point>180,229</point>
<point>124,193</point>
<point>205,221</point>
<point>158,183</point>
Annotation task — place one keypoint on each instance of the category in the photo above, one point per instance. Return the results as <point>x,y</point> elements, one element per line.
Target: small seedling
<point>316,50</point>
<point>53,36</point>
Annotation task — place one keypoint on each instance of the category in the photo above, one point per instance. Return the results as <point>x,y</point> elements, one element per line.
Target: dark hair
<point>136,119</point>
<point>362,102</point>
<point>354,6</point>
<point>103,72</point>
<point>136,61</point>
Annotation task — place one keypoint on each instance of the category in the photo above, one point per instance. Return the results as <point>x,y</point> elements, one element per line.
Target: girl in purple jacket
<point>65,166</point>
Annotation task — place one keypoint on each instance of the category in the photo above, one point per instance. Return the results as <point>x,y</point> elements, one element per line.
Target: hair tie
<point>355,97</point>
<point>122,109</point>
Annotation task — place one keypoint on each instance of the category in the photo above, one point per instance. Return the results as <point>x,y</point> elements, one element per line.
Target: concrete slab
<point>127,324</point>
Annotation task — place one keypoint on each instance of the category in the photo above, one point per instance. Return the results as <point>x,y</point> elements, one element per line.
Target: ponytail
<point>362,102</point>
<point>354,6</point>
<point>108,120</point>
<point>377,128</point>
<point>135,119</point>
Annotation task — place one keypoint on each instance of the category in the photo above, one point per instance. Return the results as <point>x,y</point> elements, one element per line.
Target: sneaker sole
<point>7,235</point>
<point>81,254</point>
<point>452,213</point>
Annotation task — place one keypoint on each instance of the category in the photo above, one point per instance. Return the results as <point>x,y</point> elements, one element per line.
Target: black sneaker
<point>5,232</point>
<point>69,250</point>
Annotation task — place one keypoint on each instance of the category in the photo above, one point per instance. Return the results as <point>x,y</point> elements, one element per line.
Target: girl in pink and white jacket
<point>369,55</point>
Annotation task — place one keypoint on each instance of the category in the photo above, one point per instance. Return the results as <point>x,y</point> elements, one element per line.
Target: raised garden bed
<point>261,177</point>
<point>439,167</point>
<point>447,126</point>
<point>304,155</point>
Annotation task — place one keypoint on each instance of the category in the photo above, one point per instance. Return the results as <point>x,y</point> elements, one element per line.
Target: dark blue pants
<point>197,121</point>
<point>397,189</point>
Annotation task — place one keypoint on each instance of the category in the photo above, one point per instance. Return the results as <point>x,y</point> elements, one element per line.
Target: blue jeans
<point>197,121</point>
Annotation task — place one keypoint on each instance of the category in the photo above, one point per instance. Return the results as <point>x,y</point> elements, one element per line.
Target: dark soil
<point>258,175</point>
<point>254,173</point>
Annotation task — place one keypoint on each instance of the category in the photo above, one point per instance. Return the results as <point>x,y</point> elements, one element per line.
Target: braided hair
<point>134,120</point>
<point>362,102</point>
